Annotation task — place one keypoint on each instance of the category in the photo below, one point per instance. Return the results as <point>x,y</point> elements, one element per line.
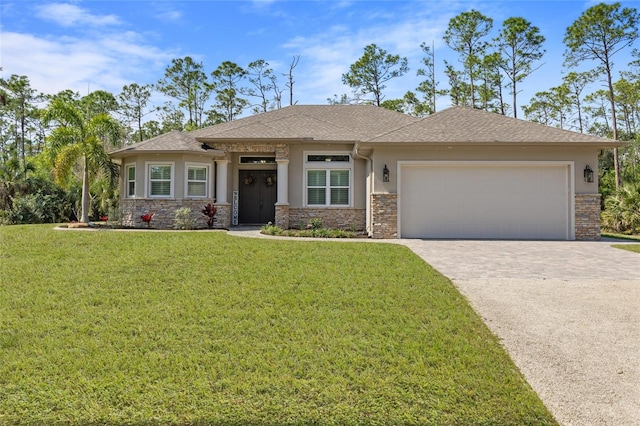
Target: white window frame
<point>147,178</point>
<point>127,180</point>
<point>241,157</point>
<point>207,180</point>
<point>327,166</point>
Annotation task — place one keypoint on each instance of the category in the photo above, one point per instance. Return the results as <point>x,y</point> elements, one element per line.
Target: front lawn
<point>629,247</point>
<point>108,327</point>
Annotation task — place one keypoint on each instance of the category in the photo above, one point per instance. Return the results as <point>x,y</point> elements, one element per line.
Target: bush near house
<point>622,210</point>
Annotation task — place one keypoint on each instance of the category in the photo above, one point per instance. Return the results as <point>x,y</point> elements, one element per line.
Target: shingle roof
<point>309,122</point>
<point>172,142</point>
<point>366,124</point>
<point>457,125</point>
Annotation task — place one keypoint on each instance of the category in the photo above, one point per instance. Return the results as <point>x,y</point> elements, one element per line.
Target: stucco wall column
<point>282,204</point>
<point>283,181</point>
<point>221,180</point>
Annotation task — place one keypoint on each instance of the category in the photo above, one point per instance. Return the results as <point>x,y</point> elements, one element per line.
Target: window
<point>197,180</point>
<point>131,181</point>
<point>324,157</point>
<point>328,179</point>
<point>328,187</point>
<point>160,180</point>
<point>247,159</point>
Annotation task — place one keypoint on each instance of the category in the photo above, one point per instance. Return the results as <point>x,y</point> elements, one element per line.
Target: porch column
<point>221,181</point>
<point>282,205</point>
<point>283,181</point>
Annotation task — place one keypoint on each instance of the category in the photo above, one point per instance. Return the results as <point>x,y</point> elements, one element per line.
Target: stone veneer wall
<point>587,208</point>
<point>164,209</point>
<point>384,210</point>
<point>337,218</point>
<point>282,216</point>
<point>223,215</point>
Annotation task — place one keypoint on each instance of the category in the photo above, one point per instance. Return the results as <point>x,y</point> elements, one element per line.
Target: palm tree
<point>80,138</point>
<point>622,210</point>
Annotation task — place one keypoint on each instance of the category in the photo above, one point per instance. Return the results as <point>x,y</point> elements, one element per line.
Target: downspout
<point>356,154</point>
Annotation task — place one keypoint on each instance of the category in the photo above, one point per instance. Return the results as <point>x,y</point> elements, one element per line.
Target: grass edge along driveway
<point>204,328</point>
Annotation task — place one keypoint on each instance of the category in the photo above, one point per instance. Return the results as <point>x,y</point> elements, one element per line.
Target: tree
<point>597,35</point>
<point>429,86</point>
<point>408,104</point>
<point>80,137</point>
<point>459,90</point>
<point>561,101</point>
<point>290,80</point>
<point>186,81</point>
<point>464,35</point>
<point>172,118</point>
<point>541,109</point>
<point>226,79</point>
<point>263,81</point>
<point>369,74</point>
<point>98,102</point>
<point>12,176</point>
<point>576,82</point>
<point>339,100</point>
<point>19,114</point>
<point>520,44</point>
<point>133,101</point>
<point>490,91</point>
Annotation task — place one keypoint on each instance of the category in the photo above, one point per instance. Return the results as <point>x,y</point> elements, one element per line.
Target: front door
<point>257,196</point>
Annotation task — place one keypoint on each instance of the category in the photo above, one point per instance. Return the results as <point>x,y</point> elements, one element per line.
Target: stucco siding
<point>581,156</point>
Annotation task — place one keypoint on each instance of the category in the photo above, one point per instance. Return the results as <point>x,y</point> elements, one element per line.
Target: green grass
<point>621,236</point>
<point>163,328</point>
<point>629,247</point>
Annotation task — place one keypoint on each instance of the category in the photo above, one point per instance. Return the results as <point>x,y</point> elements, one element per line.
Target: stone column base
<point>282,216</point>
<point>384,212</point>
<point>587,219</point>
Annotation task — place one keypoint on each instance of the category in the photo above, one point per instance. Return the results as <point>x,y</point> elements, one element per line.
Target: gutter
<point>356,154</point>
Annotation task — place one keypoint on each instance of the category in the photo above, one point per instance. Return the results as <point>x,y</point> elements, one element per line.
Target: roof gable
<point>173,142</point>
<point>469,126</point>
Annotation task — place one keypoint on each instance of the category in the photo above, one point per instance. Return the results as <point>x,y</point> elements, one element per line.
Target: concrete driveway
<point>568,313</point>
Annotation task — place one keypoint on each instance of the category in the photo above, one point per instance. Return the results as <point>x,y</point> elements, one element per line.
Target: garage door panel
<point>485,201</point>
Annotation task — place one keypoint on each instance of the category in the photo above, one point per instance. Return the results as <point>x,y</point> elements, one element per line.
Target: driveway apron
<point>568,313</point>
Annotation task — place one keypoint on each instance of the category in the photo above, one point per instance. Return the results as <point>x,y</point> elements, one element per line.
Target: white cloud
<point>62,63</point>
<point>69,15</point>
<point>327,55</point>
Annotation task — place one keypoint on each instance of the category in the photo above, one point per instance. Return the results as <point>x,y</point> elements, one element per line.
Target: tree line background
<point>54,165</point>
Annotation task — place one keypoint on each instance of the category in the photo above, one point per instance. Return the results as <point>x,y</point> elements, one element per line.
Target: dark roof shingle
<point>172,142</point>
<point>467,125</point>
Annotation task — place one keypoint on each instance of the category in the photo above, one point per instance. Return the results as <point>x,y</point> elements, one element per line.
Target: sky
<point>91,45</point>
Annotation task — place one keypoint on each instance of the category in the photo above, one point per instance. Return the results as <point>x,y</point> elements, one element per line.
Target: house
<point>459,173</point>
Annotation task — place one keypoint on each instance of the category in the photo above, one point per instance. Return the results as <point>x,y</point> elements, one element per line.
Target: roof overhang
<point>128,153</point>
<point>598,144</point>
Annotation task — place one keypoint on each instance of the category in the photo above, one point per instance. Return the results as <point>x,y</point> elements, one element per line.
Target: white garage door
<point>491,200</point>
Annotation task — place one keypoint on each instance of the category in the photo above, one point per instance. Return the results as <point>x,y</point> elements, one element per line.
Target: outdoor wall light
<point>385,174</point>
<point>588,174</point>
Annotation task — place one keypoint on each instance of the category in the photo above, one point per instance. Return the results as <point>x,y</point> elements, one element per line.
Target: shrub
<point>183,220</point>
<point>316,223</point>
<point>209,212</point>
<point>622,210</point>
<point>315,233</point>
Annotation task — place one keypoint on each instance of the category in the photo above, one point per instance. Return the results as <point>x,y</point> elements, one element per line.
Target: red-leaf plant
<point>147,218</point>
<point>210,211</point>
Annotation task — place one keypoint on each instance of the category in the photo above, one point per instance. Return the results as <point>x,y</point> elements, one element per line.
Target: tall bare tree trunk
<point>85,191</point>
